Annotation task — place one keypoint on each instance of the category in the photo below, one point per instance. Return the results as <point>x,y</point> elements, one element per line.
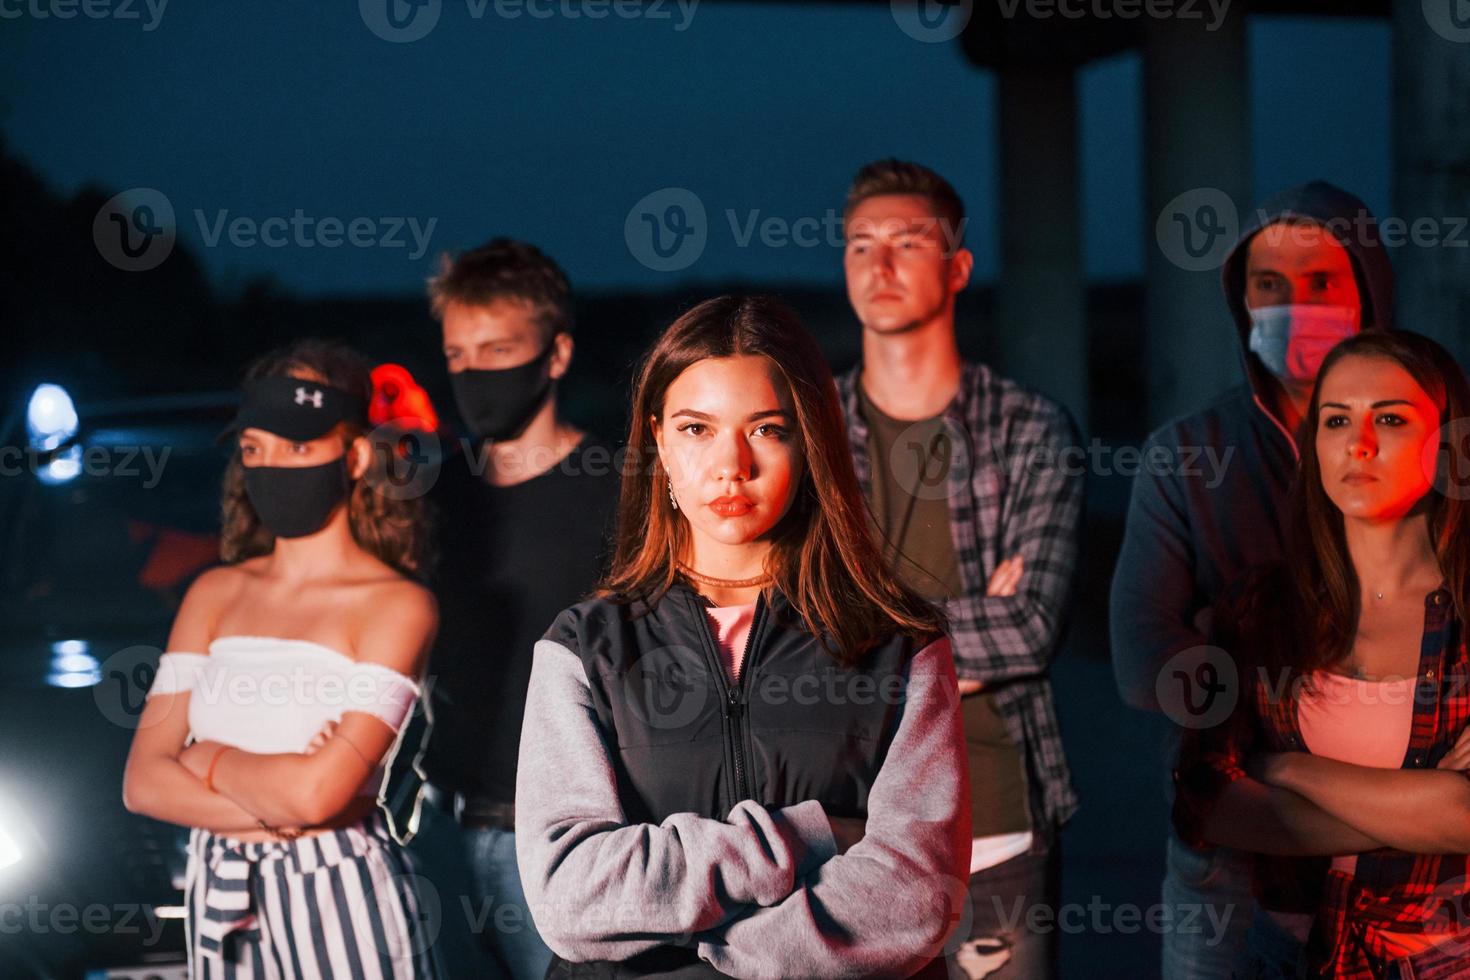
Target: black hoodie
<point>1209,500</point>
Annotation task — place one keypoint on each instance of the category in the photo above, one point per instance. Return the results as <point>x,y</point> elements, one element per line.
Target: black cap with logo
<point>295,409</point>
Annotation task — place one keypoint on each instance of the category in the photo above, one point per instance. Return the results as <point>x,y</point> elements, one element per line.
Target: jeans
<point>999,945</point>
<point>1213,887</point>
<point>483,926</point>
<point>1271,953</point>
<point>501,917</point>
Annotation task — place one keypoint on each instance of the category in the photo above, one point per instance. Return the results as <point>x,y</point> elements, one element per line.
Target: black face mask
<point>294,501</point>
<point>498,404</point>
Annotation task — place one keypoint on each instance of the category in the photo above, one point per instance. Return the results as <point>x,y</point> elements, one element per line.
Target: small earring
<point>671,495</point>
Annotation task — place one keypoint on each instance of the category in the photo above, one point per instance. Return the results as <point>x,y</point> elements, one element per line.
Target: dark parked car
<point>107,513</point>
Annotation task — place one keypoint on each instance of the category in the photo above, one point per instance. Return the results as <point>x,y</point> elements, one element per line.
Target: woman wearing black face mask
<point>293,666</point>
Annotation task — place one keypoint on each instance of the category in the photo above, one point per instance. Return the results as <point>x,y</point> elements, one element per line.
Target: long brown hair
<point>823,557</point>
<point>392,529</point>
<point>1310,621</point>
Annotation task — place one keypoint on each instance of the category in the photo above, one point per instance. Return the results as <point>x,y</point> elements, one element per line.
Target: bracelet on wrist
<point>209,773</point>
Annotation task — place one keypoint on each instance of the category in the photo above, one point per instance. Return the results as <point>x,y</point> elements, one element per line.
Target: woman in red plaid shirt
<point>1340,759</point>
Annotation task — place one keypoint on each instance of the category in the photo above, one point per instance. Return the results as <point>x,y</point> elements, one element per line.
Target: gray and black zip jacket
<point>671,822</point>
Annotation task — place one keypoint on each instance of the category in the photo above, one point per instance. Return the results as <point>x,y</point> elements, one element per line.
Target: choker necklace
<point>721,583</point>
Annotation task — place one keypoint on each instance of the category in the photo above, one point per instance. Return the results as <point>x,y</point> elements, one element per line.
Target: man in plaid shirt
<point>969,480</point>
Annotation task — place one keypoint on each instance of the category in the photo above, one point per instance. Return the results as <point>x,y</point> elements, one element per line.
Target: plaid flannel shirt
<point>1391,891</point>
<point>1009,492</point>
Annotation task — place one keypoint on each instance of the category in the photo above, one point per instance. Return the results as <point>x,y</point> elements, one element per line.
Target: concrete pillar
<point>1197,167</point>
<point>1041,337</point>
<point>1431,180</point>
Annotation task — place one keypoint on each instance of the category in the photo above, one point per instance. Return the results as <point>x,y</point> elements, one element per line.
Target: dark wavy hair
<point>824,558</point>
<point>393,530</point>
<point>1302,614</point>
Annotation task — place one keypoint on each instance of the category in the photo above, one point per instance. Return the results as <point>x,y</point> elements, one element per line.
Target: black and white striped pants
<point>339,904</point>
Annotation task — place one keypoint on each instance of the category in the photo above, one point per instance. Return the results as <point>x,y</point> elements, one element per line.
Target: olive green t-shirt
<point>910,501</point>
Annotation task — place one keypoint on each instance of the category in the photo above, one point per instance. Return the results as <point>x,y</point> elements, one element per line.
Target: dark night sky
<point>552,129</point>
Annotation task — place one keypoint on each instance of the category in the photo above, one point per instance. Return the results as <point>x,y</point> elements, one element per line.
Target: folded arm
<point>887,906</point>
<point>1000,638</point>
<point>1422,811</point>
<point>602,888</point>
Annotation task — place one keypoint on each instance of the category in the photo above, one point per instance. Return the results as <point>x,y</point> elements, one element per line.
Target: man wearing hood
<point>1308,271</point>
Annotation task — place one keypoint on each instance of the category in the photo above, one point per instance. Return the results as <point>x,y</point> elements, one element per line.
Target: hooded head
<point>1287,255</point>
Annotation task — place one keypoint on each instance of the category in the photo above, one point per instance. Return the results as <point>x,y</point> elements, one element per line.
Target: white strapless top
<point>270,695</point>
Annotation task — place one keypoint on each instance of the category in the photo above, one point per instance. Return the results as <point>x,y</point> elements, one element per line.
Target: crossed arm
<point>1421,811</point>
<point>1296,803</point>
<point>165,780</point>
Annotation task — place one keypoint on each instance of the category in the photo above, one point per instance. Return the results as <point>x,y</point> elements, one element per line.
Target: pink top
<point>732,629</point>
<point>1363,722</point>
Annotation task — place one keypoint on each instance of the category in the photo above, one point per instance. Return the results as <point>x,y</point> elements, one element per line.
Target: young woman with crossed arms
<point>293,666</point>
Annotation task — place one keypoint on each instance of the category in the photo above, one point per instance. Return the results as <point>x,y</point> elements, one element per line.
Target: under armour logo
<point>303,396</point>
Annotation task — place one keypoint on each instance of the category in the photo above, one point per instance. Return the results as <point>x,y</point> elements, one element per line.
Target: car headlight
<point>10,852</point>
